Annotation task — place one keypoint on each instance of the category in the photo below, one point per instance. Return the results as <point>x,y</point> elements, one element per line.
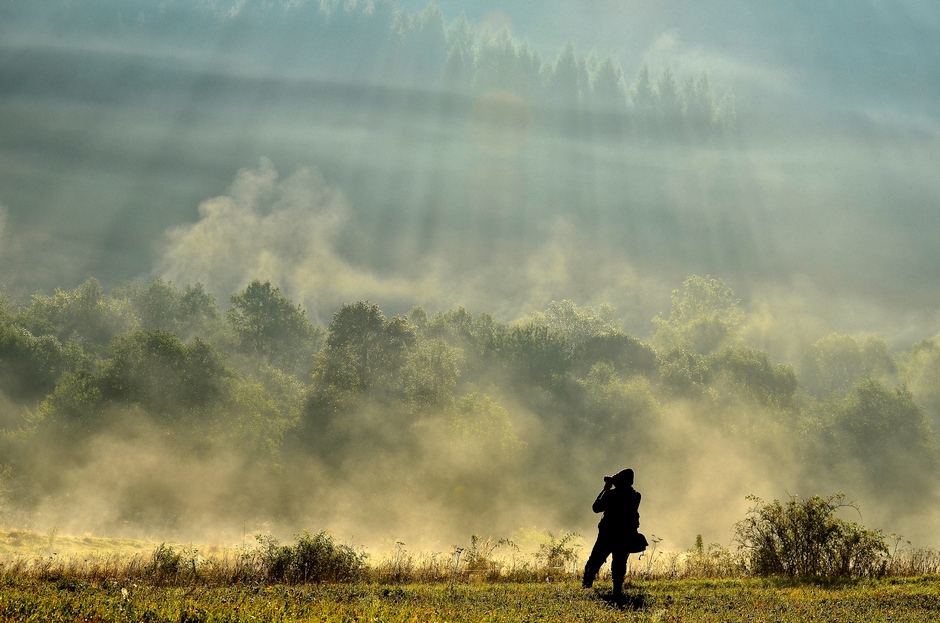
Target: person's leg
<point>618,567</point>
<point>597,558</point>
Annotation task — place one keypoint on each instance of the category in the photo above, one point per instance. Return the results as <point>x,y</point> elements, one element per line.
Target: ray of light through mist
<point>486,161</point>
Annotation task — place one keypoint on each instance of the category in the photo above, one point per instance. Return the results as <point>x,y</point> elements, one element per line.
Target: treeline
<point>415,60</point>
<point>425,401</point>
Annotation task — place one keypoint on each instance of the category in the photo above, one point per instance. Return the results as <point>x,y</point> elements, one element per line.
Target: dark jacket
<point>621,508</point>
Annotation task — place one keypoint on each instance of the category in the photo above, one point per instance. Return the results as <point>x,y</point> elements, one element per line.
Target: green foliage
<point>365,351</point>
<point>920,371</point>
<point>683,372</point>
<point>259,412</point>
<point>74,404</point>
<point>155,370</point>
<point>836,363</point>
<point>312,559</point>
<point>267,323</point>
<point>751,372</point>
<point>704,318</point>
<point>475,335</point>
<point>713,561</point>
<point>168,565</point>
<point>804,538</point>
<point>479,556</point>
<point>875,416</point>
<point>480,339</point>
<point>478,417</point>
<point>160,306</point>
<point>430,374</point>
<point>618,406</point>
<point>576,325</point>
<point>560,553</point>
<point>85,316</point>
<point>31,365</point>
<point>626,353</point>
<point>539,355</point>
<point>887,435</point>
<point>450,384</point>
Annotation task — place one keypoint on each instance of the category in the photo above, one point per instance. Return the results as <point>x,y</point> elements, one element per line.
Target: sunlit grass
<point>51,543</point>
<point>136,581</point>
<point>915,599</point>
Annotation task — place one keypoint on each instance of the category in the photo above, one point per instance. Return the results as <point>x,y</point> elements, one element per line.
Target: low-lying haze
<point>495,158</point>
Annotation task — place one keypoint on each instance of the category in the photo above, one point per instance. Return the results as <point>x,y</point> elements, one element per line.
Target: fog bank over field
<point>513,232</point>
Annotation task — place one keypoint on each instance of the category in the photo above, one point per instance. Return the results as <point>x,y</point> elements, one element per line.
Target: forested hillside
<point>153,407</point>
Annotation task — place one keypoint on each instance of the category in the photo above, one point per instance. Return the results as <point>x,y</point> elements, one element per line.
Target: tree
<point>84,315</point>
<point>888,434</point>
<point>429,376</point>
<point>643,99</point>
<point>836,363</point>
<point>684,372</point>
<point>576,324</point>
<point>608,92</point>
<point>540,355</point>
<point>670,103</point>
<point>704,317</point>
<point>699,106</point>
<point>30,366</point>
<point>459,66</point>
<point>258,413</point>
<point>726,116</point>
<point>420,45</point>
<point>269,324</point>
<point>497,65</point>
<point>161,374</point>
<point>565,79</point>
<point>751,371</point>
<point>626,353</point>
<point>161,306</point>
<point>364,351</point>
<point>153,371</point>
<point>480,419</point>
<point>617,406</point>
<point>920,371</point>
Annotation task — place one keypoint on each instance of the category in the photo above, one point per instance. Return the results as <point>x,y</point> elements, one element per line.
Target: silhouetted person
<point>617,532</point>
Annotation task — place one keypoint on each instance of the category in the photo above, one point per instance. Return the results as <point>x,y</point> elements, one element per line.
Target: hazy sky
<point>124,123</point>
<point>228,140</point>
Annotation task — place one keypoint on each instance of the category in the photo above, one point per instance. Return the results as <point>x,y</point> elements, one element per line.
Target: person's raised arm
<point>600,504</point>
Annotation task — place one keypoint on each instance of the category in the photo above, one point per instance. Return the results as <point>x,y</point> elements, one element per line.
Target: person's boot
<point>618,588</point>
<point>588,580</point>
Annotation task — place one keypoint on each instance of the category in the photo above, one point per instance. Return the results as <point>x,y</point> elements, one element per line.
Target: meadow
<point>317,579</point>
<point>908,599</point>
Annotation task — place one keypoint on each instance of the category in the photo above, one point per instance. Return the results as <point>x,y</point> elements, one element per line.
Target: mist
<point>491,159</point>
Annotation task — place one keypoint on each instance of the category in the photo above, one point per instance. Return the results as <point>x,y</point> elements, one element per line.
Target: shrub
<point>803,538</point>
<point>314,558</point>
<point>559,553</point>
<point>713,561</point>
<point>169,566</point>
<point>479,558</point>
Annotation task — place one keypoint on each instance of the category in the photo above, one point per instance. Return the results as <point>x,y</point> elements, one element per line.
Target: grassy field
<point>51,578</point>
<point>911,599</point>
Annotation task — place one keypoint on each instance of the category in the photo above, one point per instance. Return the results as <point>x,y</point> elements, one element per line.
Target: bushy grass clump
<point>312,559</point>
